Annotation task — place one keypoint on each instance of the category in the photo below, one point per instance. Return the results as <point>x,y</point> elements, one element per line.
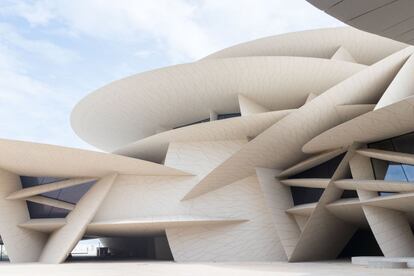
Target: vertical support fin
<point>247,106</point>
<point>401,87</point>
<point>62,241</point>
<point>343,55</point>
<point>323,226</point>
<point>278,199</point>
<point>390,227</point>
<point>22,245</point>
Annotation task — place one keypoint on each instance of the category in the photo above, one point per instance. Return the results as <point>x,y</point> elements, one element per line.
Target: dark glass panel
<point>43,211</point>
<point>324,170</point>
<point>302,195</point>
<point>380,168</point>
<point>391,171</point>
<point>362,243</point>
<point>382,145</point>
<point>194,123</point>
<point>404,143</point>
<point>228,115</point>
<point>386,193</point>
<point>349,194</point>
<point>30,181</point>
<point>71,194</point>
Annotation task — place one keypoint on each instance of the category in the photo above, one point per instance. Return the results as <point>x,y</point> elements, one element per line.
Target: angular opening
<point>148,247</point>
<point>303,195</point>
<point>3,252</point>
<point>70,195</point>
<point>362,243</point>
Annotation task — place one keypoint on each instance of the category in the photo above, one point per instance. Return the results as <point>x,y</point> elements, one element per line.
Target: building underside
<point>297,147</point>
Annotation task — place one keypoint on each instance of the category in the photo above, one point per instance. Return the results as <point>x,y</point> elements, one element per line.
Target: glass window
<point>71,194</point>
<point>391,171</point>
<point>228,115</point>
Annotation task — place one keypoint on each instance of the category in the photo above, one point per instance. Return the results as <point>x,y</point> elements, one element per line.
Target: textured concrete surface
<point>200,269</point>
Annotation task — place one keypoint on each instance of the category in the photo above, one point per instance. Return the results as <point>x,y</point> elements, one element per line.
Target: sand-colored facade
<point>241,156</point>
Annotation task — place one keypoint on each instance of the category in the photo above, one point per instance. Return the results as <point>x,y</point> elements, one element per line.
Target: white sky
<point>54,52</point>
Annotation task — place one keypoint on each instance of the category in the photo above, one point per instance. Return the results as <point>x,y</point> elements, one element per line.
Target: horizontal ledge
<point>168,220</point>
<point>145,226</point>
<point>400,202</point>
<point>307,182</point>
<point>344,202</point>
<point>311,162</point>
<point>393,156</point>
<point>302,209</point>
<point>46,225</point>
<point>375,185</point>
<point>307,209</point>
<point>52,202</point>
<point>44,188</point>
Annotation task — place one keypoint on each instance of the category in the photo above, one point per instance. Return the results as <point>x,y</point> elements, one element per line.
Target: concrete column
<point>63,240</point>
<point>390,228</point>
<point>23,245</point>
<point>278,199</point>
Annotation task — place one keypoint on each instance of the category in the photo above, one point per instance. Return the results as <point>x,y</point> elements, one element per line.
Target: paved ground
<point>194,269</point>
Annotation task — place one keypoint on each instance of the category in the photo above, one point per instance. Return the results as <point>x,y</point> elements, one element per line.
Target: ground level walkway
<point>118,268</point>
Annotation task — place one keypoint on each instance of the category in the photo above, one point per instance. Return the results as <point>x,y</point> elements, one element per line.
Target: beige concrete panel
<point>322,225</point>
<point>280,145</point>
<point>47,225</point>
<point>130,109</point>
<point>56,161</point>
<point>302,209</point>
<point>391,230</point>
<point>153,226</point>
<point>200,158</point>
<point>361,169</point>
<point>311,162</point>
<point>374,185</point>
<point>40,189</point>
<point>248,107</point>
<point>349,210</point>
<point>22,245</point>
<point>159,197</point>
<point>307,182</point>
<point>320,43</point>
<point>393,156</point>
<point>348,112</point>
<point>389,121</point>
<point>310,97</point>
<point>313,245</point>
<point>154,148</point>
<point>301,221</point>
<point>399,202</point>
<point>278,199</point>
<point>253,240</point>
<point>401,87</point>
<point>51,202</point>
<point>63,240</point>
<point>343,54</point>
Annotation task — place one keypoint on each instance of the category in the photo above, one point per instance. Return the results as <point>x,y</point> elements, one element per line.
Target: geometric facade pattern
<point>296,147</point>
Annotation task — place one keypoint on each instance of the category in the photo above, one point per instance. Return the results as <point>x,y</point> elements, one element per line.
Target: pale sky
<point>54,52</point>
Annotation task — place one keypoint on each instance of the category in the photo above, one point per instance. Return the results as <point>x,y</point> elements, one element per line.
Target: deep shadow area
<point>362,243</point>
